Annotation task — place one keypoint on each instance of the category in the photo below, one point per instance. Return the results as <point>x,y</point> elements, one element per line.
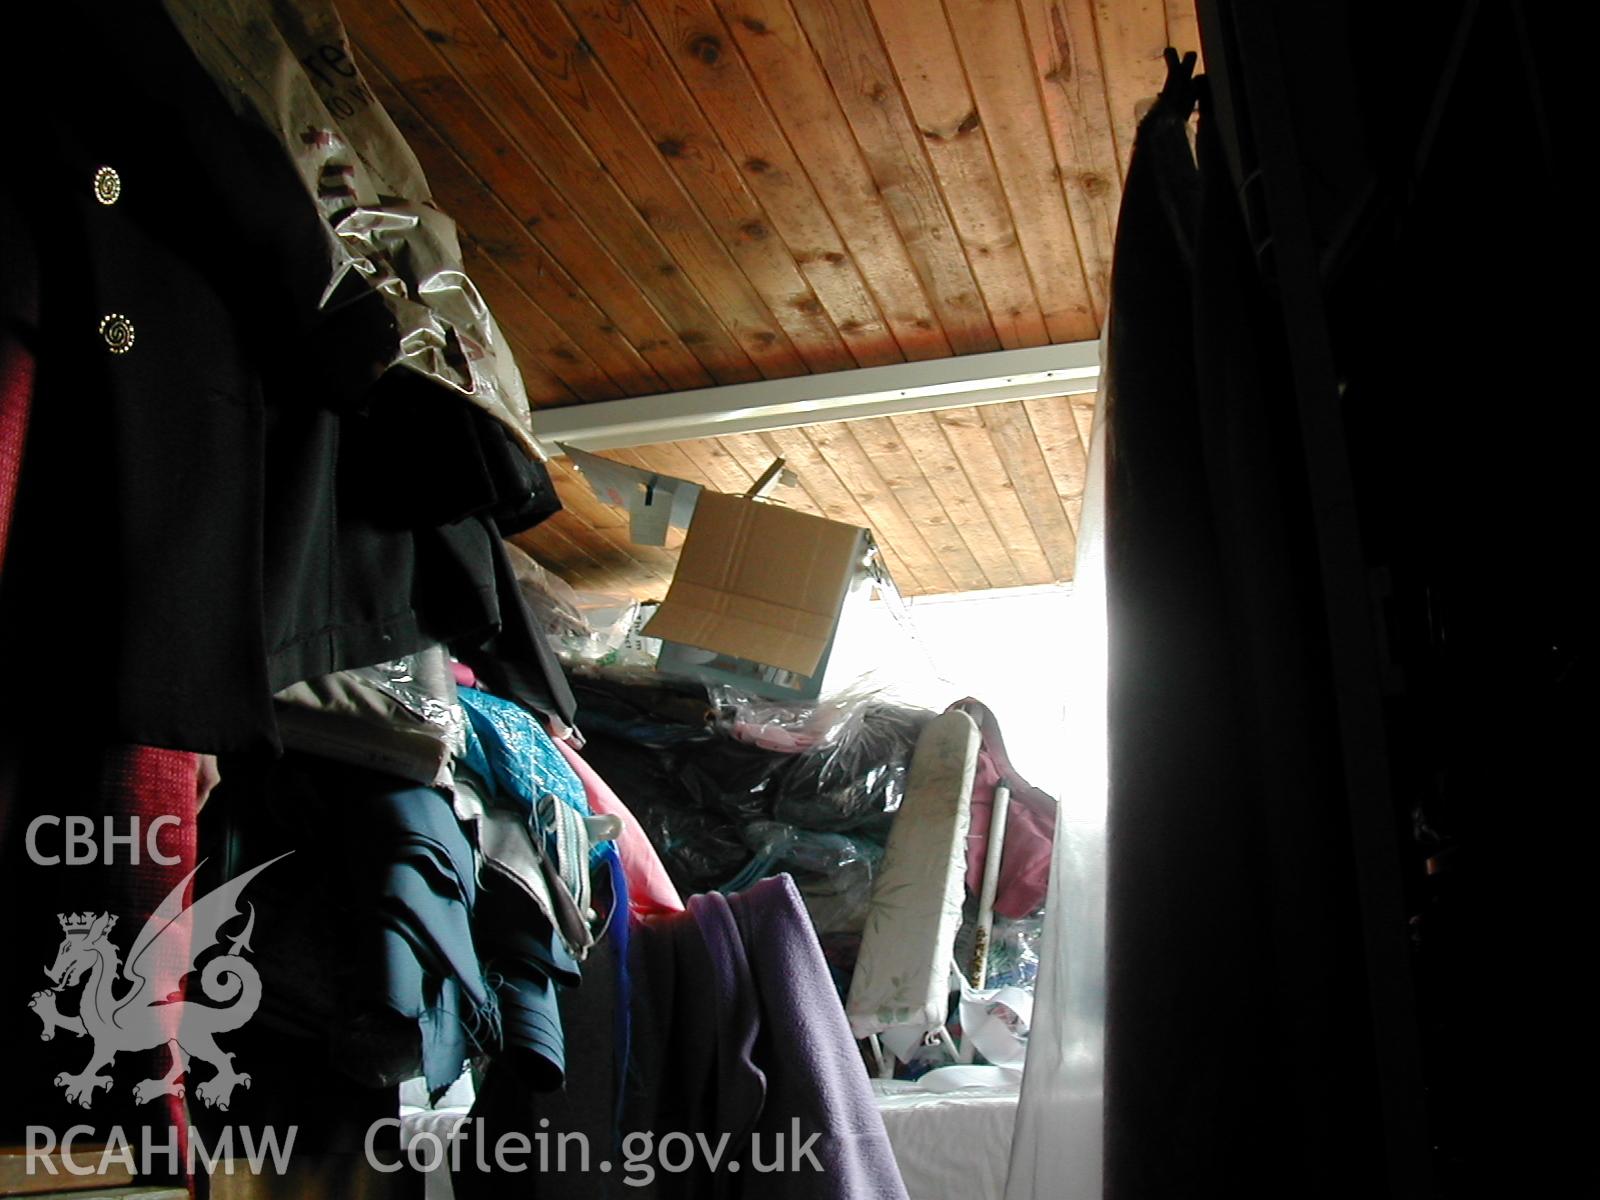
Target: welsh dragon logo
<point>149,1011</point>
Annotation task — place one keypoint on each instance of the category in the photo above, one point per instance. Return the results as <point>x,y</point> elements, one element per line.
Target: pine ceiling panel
<point>668,194</point>
<point>658,195</point>
<point>958,501</point>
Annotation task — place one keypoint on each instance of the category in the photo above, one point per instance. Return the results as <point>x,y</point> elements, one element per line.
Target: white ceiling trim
<point>912,387</point>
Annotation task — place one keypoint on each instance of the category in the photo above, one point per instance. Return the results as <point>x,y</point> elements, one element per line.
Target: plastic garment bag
<point>1055,1147</point>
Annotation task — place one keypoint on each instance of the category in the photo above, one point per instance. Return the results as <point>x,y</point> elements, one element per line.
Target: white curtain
<point>1055,1149</point>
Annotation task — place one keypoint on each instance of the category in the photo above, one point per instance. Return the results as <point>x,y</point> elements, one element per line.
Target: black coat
<point>212,505</point>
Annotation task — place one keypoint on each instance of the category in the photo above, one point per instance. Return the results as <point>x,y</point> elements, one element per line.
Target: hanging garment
<point>738,1031</point>
<point>287,67</point>
<point>1238,1050</point>
<point>510,856</point>
<point>507,1102</point>
<point>399,717</point>
<point>417,948</point>
<point>406,932</point>
<point>118,787</point>
<point>147,401</point>
<point>650,889</point>
<point>527,962</point>
<point>517,661</point>
<point>365,935</point>
<point>218,424</point>
<point>508,749</point>
<point>515,763</point>
<point>384,535</point>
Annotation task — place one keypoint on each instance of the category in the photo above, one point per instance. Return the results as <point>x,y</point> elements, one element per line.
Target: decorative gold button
<point>118,333</point>
<point>107,185</point>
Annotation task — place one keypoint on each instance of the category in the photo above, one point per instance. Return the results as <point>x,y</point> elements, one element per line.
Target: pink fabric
<point>16,402</point>
<point>16,399</point>
<point>465,676</point>
<point>1030,824</point>
<point>769,736</point>
<point>650,890</point>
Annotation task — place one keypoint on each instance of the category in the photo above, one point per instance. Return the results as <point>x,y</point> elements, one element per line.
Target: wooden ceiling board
<point>1065,455</point>
<point>918,492</point>
<point>1019,450</point>
<point>831,190</point>
<point>751,282</point>
<point>1183,28</point>
<point>508,93</point>
<point>962,500</point>
<point>662,195</point>
<point>716,466</point>
<point>537,336</point>
<point>1072,93</point>
<point>1132,35</point>
<point>576,544</point>
<point>842,36</point>
<point>927,441</point>
<point>830,313</point>
<point>770,187</point>
<point>854,467</point>
<point>1083,417</point>
<point>752,457</point>
<point>493,231</point>
<point>998,65</point>
<point>551,546</point>
<point>928,66</point>
<point>971,442</point>
<point>552,223</point>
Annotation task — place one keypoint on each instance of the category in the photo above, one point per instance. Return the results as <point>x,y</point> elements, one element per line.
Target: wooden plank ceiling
<point>951,514</point>
<point>665,194</point>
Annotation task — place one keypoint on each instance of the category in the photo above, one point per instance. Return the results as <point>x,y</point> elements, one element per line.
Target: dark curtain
<point>1239,1059</point>
<point>1348,517</point>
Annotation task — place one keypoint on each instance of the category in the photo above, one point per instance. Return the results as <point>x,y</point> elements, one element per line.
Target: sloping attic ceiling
<point>658,195</point>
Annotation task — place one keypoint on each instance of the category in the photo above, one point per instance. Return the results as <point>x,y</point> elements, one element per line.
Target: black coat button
<point>117,330</point>
<point>107,185</point>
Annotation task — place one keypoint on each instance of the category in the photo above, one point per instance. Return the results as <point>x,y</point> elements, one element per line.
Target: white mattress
<point>950,1145</point>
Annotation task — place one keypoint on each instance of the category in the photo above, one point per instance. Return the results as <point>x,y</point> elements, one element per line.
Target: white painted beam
<point>911,387</point>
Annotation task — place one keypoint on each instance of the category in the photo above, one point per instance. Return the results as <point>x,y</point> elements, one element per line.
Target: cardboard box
<point>758,593</point>
<point>707,666</point>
